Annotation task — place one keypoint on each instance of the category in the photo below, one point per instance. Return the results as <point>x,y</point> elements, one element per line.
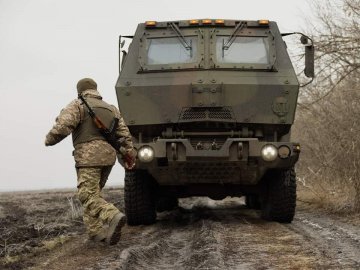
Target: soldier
<point>94,158</point>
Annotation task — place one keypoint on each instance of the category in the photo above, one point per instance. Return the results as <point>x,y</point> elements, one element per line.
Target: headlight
<point>146,154</point>
<point>284,151</point>
<point>269,152</point>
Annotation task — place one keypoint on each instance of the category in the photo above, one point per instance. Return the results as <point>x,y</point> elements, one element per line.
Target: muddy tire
<point>139,198</point>
<point>252,202</point>
<point>166,204</point>
<point>279,201</point>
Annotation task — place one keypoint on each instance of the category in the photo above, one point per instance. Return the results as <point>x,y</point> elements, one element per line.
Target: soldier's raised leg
<point>102,219</point>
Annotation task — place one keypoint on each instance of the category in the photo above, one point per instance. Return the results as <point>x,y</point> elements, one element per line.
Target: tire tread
<point>139,201</point>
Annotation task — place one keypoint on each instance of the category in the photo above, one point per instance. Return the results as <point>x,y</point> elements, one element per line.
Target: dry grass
<point>34,223</point>
<point>330,200</point>
<point>75,210</point>
<point>329,165</point>
<point>55,242</point>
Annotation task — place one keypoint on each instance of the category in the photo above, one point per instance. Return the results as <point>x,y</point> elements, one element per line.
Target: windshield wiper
<point>232,37</point>
<point>182,39</point>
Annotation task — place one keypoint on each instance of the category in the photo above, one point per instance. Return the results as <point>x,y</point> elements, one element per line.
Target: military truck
<point>210,104</point>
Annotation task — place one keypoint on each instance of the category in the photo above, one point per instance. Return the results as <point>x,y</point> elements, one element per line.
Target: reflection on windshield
<point>247,50</point>
<point>170,51</point>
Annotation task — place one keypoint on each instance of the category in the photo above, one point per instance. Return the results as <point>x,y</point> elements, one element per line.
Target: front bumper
<point>237,161</point>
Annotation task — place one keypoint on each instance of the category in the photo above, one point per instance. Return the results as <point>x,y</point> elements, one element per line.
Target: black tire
<point>280,196</point>
<point>139,198</point>
<point>166,204</point>
<point>252,201</point>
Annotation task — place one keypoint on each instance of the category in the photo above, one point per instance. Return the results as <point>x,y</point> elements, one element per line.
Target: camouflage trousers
<point>97,212</point>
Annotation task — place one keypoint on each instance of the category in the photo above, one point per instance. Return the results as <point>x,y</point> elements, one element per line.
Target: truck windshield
<point>247,50</point>
<point>170,51</point>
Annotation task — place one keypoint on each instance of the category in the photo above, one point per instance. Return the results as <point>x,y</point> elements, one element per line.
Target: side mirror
<point>304,40</point>
<point>121,61</point>
<point>122,44</point>
<point>309,56</point>
<point>309,61</point>
<point>124,54</point>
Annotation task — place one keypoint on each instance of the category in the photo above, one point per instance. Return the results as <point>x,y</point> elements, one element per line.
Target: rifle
<point>108,133</point>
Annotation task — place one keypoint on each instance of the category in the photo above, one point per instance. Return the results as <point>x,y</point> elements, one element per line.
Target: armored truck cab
<point>210,104</point>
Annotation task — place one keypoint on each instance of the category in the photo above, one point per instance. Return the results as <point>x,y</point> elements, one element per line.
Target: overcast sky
<point>46,46</point>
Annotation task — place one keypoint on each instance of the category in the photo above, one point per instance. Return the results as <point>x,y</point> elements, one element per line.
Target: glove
<point>130,159</point>
<point>49,141</point>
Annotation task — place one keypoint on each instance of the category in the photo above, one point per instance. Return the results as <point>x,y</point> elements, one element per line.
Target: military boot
<point>114,230</point>
<point>101,236</point>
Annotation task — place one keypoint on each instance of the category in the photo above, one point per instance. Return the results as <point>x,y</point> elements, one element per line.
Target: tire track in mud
<point>194,249</point>
<point>204,234</point>
<point>158,248</point>
<point>182,239</point>
<point>338,242</point>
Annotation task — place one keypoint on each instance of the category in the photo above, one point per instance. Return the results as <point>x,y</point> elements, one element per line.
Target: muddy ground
<point>43,230</point>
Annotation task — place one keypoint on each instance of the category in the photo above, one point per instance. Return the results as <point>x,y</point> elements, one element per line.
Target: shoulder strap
<point>82,112</point>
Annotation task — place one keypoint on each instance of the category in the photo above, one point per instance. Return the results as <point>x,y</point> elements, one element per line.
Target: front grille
<point>196,172</point>
<point>203,114</point>
<point>221,113</point>
<point>191,114</point>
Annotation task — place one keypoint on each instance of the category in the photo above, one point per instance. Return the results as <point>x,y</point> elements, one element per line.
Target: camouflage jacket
<point>93,153</point>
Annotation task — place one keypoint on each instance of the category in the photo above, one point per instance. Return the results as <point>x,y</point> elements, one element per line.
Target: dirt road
<point>206,234</point>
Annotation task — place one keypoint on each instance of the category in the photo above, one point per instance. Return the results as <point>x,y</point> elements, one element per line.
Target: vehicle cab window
<point>180,46</point>
<point>171,49</point>
<point>162,51</point>
<point>247,50</point>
